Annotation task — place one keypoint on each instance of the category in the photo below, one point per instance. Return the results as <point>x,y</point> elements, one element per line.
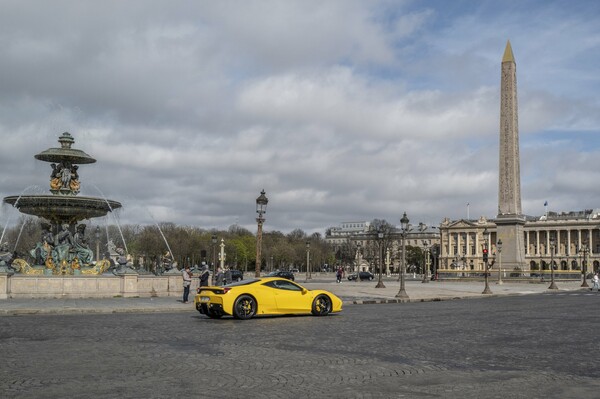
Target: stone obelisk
<point>510,220</point>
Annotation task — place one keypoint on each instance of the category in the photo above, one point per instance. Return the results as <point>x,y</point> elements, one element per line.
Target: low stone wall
<point>105,286</point>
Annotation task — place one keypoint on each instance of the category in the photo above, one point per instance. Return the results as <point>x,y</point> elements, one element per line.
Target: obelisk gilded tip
<point>508,54</point>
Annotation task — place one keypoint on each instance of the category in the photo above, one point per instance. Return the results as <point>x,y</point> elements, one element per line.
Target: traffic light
<point>485,255</point>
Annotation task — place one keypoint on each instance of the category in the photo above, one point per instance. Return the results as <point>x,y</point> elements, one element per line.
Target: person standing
<point>187,281</point>
<point>596,282</point>
<point>228,279</point>
<point>219,277</point>
<point>204,275</point>
<point>339,274</point>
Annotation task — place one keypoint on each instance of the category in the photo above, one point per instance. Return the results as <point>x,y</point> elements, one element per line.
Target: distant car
<point>237,275</point>
<point>264,296</point>
<point>362,275</point>
<point>282,274</point>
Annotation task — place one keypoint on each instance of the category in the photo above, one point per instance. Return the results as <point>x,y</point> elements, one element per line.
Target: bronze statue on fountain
<point>63,248</point>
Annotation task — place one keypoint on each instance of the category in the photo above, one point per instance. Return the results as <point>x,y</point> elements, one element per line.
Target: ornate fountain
<point>63,248</point>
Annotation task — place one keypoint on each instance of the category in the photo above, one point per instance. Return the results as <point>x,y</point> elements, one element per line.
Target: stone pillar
<point>4,285</point>
<point>129,285</point>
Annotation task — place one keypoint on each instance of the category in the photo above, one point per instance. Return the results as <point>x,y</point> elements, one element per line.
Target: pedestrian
<point>219,277</point>
<point>596,281</point>
<point>339,274</point>
<point>228,279</point>
<point>204,275</point>
<point>187,281</point>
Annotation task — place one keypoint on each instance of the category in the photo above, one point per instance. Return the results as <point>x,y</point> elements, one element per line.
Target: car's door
<point>290,297</point>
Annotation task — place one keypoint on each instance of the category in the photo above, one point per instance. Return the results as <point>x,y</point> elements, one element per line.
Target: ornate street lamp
<point>426,262</point>
<point>261,209</point>
<point>499,248</point>
<point>552,246</point>
<point>486,236</point>
<point>405,229</point>
<point>97,234</point>
<point>380,236</point>
<point>434,252</point>
<point>308,273</point>
<point>213,240</point>
<point>585,251</point>
<point>358,259</point>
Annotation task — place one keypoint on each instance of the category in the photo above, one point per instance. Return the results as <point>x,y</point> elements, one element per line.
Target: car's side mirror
<point>304,291</point>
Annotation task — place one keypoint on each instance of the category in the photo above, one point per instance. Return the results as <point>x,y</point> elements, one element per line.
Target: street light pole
<point>308,273</point>
<point>584,249</point>
<point>358,259</point>
<point>486,236</point>
<point>214,256</point>
<point>552,246</point>
<point>426,262</point>
<point>404,226</point>
<point>261,209</point>
<point>380,236</point>
<point>499,248</point>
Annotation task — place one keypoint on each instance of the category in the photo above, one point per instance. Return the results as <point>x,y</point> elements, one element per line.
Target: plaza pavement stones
<point>351,293</point>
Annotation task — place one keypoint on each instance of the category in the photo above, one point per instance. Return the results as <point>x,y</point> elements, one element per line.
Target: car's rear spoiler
<point>214,289</point>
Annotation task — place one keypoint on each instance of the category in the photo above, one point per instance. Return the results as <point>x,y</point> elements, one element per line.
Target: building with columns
<point>576,238</point>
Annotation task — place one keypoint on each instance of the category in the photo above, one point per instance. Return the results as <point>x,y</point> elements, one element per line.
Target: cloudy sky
<point>340,110</point>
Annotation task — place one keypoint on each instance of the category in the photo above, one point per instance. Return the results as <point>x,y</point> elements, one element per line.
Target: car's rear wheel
<point>321,305</point>
<point>244,307</point>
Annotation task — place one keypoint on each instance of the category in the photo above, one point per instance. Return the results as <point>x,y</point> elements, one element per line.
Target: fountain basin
<point>60,209</point>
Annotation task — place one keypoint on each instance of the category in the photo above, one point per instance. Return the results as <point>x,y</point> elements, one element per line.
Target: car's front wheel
<point>321,305</point>
<point>244,307</point>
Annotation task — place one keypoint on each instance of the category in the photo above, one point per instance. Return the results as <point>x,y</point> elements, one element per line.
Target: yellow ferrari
<point>264,296</point>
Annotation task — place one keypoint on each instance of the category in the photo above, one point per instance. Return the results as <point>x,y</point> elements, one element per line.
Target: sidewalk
<point>350,292</point>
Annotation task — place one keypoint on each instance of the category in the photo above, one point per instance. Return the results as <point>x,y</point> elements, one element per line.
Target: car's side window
<point>283,285</point>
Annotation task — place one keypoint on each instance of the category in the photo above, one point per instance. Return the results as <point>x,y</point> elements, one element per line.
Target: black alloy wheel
<point>321,305</point>
<point>244,307</point>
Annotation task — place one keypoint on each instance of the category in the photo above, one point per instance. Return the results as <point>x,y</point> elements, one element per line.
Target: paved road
<point>532,346</point>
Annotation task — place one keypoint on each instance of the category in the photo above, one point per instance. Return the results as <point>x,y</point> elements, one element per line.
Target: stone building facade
<point>576,236</point>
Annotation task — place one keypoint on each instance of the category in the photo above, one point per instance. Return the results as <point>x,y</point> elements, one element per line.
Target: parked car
<point>237,275</point>
<point>282,273</point>
<point>362,275</point>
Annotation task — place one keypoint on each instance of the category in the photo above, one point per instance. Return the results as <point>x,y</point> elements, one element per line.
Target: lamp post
<point>486,236</point>
<point>380,236</point>
<point>426,261</point>
<point>97,234</point>
<point>434,253</point>
<point>584,249</point>
<point>222,254</point>
<point>404,227</point>
<point>552,246</point>
<point>272,263</point>
<point>358,259</point>
<point>214,255</point>
<point>261,209</point>
<point>499,248</point>
<point>308,274</point>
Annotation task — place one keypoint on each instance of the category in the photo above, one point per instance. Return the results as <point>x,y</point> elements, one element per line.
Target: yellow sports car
<point>264,296</point>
